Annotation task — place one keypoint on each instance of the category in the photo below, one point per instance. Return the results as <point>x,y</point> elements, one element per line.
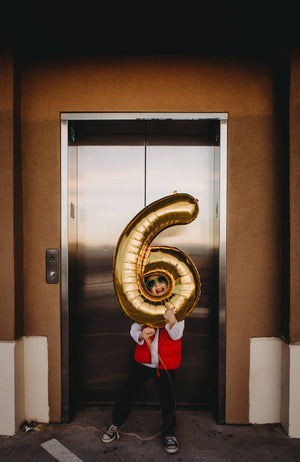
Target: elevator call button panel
<point>52,266</point>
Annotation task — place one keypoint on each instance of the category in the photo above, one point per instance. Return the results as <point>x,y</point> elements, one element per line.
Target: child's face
<point>157,284</point>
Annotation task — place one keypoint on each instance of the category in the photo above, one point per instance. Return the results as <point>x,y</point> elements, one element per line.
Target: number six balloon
<point>135,260</point>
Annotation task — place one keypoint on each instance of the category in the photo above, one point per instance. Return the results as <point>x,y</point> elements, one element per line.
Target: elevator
<point>112,167</point>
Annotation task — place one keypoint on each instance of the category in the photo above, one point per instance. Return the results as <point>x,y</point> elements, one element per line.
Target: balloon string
<point>91,427</point>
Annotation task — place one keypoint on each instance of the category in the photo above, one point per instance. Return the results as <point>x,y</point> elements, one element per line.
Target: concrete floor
<point>200,438</point>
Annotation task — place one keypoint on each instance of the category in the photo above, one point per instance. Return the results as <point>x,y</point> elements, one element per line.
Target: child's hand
<point>170,316</point>
<point>147,332</point>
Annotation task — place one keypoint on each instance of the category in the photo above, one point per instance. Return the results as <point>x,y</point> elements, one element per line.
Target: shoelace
<point>113,429</point>
<point>171,440</point>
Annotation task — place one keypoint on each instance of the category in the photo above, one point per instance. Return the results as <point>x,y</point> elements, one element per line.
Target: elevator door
<point>118,171</point>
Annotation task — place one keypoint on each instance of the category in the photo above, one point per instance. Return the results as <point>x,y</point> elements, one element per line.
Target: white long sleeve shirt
<point>176,332</point>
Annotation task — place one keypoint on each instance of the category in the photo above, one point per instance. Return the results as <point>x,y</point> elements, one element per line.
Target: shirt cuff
<point>176,331</point>
<point>135,331</point>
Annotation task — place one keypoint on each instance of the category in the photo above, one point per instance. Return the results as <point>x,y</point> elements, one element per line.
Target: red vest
<point>169,351</point>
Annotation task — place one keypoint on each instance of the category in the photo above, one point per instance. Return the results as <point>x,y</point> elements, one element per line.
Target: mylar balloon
<point>135,259</point>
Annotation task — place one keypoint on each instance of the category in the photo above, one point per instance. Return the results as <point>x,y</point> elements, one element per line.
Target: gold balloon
<point>135,259</point>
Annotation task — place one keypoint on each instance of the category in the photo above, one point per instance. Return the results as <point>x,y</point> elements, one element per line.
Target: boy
<point>157,355</point>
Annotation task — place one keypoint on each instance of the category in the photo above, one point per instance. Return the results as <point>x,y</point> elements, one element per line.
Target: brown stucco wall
<point>7,305</point>
<point>242,88</point>
<point>295,197</point>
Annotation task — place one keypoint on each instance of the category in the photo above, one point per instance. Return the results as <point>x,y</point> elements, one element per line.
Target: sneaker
<point>171,444</point>
<point>110,434</point>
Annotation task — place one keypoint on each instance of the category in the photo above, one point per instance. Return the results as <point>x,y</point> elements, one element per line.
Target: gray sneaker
<point>110,434</point>
<point>171,444</point>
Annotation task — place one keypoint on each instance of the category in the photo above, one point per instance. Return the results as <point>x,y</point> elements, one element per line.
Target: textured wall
<point>7,304</point>
<point>295,196</point>
<point>242,88</point>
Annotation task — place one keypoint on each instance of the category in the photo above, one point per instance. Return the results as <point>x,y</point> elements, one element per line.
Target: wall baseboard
<point>23,383</point>
<point>274,384</point>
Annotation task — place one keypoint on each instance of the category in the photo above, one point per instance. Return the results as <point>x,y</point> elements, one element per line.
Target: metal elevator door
<point>115,169</point>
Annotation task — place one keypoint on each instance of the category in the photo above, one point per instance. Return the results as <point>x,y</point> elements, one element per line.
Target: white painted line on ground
<point>59,451</point>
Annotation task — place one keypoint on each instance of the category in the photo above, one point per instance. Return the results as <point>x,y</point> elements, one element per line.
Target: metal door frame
<point>223,118</point>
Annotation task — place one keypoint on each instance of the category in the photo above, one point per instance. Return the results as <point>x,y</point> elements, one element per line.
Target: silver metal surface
<point>110,193</point>
<point>64,274</point>
<point>104,202</point>
<point>143,115</point>
<point>184,164</point>
<point>188,169</point>
<point>222,273</point>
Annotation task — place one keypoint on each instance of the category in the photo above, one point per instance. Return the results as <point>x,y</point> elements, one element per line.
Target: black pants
<point>165,383</point>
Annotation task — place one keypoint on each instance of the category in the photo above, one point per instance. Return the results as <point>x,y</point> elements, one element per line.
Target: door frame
<point>222,212</point>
